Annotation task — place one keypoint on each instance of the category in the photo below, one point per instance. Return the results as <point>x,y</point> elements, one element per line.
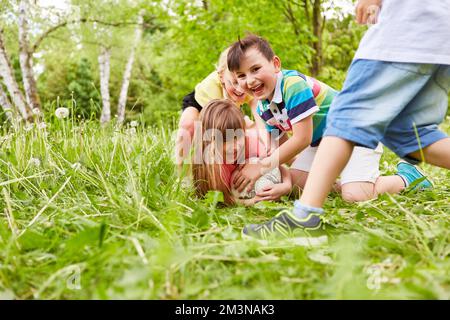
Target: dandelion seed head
<point>131,131</point>
<point>35,162</point>
<point>62,113</point>
<point>76,166</point>
<point>36,111</point>
<point>134,123</point>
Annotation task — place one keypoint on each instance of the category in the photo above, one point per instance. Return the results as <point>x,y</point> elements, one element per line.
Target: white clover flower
<point>131,131</point>
<point>5,139</point>
<point>134,123</point>
<point>42,125</point>
<point>36,111</point>
<point>76,166</point>
<point>28,127</point>
<point>35,162</point>
<point>129,148</point>
<point>62,113</point>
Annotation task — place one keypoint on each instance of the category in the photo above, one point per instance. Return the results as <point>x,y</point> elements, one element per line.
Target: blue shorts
<point>399,104</point>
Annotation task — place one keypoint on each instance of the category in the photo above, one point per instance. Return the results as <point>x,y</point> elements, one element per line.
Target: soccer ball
<point>267,180</point>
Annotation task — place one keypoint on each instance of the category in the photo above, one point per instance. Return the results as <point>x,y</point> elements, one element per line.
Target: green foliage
<point>181,43</point>
<point>69,81</point>
<point>82,87</point>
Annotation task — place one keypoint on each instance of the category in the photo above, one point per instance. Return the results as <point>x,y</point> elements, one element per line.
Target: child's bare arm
<point>301,138</point>
<point>276,191</point>
<point>263,134</point>
<point>286,178</point>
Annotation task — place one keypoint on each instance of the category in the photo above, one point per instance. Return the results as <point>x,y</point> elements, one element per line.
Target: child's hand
<point>273,192</point>
<point>367,11</point>
<point>247,176</point>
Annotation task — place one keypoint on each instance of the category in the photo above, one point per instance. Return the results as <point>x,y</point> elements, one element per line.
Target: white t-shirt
<point>415,31</point>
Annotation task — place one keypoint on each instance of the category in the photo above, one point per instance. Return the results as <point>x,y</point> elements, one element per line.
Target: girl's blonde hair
<point>219,115</point>
<point>222,65</point>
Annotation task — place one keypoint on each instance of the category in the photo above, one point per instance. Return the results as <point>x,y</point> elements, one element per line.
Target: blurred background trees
<point>180,43</point>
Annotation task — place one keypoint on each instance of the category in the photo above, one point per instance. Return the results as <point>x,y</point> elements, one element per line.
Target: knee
<point>353,197</point>
<point>355,194</point>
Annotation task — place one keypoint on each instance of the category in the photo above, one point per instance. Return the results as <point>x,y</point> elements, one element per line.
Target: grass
<point>98,213</point>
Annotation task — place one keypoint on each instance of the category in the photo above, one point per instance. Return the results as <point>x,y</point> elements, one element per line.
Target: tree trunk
<point>6,72</point>
<point>127,74</point>
<point>317,43</point>
<point>5,104</point>
<point>25,58</point>
<point>104,66</point>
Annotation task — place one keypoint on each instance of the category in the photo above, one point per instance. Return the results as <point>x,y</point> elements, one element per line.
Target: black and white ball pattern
<point>267,180</point>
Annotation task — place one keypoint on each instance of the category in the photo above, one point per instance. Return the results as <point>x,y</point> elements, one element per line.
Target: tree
<point>25,58</point>
<point>104,67</point>
<point>127,74</point>
<point>5,104</point>
<point>6,72</point>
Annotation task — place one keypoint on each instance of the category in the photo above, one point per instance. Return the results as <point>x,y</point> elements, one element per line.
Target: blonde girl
<point>220,84</point>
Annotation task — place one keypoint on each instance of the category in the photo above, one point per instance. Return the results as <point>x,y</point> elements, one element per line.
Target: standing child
<point>291,101</point>
<point>396,92</point>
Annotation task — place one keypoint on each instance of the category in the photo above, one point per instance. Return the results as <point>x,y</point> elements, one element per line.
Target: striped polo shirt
<point>296,97</point>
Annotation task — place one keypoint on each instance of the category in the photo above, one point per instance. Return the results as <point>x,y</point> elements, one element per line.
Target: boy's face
<point>257,75</point>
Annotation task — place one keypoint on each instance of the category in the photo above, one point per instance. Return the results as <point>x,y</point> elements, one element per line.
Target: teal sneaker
<point>284,224</point>
<point>413,177</point>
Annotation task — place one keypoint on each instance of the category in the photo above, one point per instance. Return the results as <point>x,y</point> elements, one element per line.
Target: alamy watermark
<point>211,146</point>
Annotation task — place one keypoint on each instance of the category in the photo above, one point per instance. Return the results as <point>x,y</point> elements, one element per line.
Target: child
<point>289,100</point>
<point>221,146</point>
<point>396,92</point>
<point>218,85</point>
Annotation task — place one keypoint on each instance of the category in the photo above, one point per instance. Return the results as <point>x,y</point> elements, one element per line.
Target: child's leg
<point>298,178</point>
<point>184,134</point>
<point>359,114</point>
<point>362,191</point>
<point>437,154</point>
<point>300,168</point>
<point>417,125</point>
<point>361,180</point>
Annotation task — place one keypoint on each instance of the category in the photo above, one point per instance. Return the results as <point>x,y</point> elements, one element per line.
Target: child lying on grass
<point>221,146</point>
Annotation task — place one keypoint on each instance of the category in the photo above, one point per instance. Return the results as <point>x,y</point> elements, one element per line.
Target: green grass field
<point>98,213</point>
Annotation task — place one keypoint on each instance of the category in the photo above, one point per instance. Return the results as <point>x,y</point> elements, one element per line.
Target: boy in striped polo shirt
<point>291,101</point>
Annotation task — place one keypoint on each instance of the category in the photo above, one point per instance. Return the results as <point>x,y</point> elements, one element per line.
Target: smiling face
<point>257,75</point>
<point>231,86</point>
<point>232,150</point>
